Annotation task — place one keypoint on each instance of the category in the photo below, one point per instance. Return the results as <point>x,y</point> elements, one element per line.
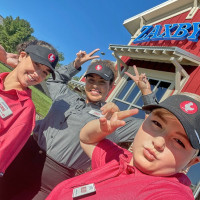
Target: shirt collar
<point>97,104</point>
<point>180,177</point>
<point>22,95</point>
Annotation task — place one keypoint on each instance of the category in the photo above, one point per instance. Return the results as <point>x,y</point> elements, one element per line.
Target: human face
<point>161,146</point>
<point>96,88</point>
<point>29,72</point>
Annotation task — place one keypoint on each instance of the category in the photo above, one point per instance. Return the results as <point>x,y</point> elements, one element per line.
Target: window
<point>128,96</point>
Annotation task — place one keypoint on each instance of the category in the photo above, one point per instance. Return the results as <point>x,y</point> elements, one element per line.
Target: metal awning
<point>79,84</point>
<point>174,55</point>
<point>156,54</point>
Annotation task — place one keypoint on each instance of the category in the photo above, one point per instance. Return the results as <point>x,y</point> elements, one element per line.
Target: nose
<point>159,143</point>
<point>38,75</point>
<point>95,85</point>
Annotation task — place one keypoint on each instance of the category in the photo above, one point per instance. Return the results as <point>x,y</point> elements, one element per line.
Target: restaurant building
<point>165,45</point>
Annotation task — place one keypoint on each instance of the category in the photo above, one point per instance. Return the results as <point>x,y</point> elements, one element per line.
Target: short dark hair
<point>22,46</point>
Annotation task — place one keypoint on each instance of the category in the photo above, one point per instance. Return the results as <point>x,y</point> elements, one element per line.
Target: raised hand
<point>116,121</point>
<point>10,59</point>
<point>109,109</point>
<point>82,57</point>
<point>141,81</point>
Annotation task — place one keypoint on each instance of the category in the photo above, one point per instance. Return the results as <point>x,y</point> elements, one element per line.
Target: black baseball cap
<point>44,56</point>
<point>102,70</point>
<point>187,111</point>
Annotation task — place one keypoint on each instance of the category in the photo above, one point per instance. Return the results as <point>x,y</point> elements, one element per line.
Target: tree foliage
<point>16,31</point>
<point>76,78</point>
<point>13,32</point>
<point>61,58</point>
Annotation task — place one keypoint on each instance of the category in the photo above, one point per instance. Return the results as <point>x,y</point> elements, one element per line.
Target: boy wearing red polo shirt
<point>167,142</point>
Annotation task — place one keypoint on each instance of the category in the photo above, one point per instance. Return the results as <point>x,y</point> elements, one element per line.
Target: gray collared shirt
<point>58,132</point>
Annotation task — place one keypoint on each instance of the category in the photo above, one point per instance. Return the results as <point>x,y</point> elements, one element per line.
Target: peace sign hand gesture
<point>82,57</point>
<point>108,126</point>
<point>141,81</point>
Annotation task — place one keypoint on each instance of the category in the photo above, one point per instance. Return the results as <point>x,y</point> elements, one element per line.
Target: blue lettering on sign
<point>144,32</point>
<point>179,31</point>
<point>196,31</point>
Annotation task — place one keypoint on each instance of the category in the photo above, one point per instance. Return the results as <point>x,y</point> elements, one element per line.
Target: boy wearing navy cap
<point>166,143</point>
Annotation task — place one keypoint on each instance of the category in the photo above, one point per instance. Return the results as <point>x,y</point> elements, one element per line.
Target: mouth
<point>149,154</point>
<point>95,92</point>
<point>31,78</point>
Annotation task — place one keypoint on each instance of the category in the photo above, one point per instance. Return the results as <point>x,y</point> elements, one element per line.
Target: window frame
<point>151,74</point>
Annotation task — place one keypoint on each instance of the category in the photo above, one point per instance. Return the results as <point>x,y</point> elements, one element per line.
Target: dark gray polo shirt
<point>58,133</point>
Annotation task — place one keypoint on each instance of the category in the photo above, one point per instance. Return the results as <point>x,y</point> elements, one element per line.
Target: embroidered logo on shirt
<point>188,107</point>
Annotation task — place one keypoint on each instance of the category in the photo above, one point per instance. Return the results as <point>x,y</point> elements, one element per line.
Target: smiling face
<point>96,88</point>
<point>161,146</point>
<point>30,73</point>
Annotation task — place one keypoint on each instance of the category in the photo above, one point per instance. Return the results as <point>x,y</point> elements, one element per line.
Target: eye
<point>46,73</point>
<point>180,143</point>
<point>90,80</point>
<point>36,64</point>
<point>102,83</point>
<point>157,123</point>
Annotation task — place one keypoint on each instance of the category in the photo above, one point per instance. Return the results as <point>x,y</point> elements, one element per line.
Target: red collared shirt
<point>16,128</point>
<point>114,178</point>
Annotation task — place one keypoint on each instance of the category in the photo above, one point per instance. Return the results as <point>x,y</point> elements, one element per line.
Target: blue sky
<point>71,26</point>
<point>78,25</point>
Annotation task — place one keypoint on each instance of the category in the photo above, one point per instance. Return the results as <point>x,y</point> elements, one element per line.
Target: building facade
<point>164,44</point>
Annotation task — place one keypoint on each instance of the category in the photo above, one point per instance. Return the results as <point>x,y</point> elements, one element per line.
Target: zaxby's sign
<point>177,31</point>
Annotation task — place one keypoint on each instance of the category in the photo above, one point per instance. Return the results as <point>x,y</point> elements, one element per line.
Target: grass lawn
<point>41,101</point>
<point>4,68</point>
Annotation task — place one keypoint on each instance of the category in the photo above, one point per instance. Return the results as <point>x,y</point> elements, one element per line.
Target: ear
<point>22,55</point>
<point>193,161</point>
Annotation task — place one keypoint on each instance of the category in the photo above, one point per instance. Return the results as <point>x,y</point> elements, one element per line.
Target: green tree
<point>13,32</point>
<point>16,31</point>
<point>76,78</point>
<point>61,58</point>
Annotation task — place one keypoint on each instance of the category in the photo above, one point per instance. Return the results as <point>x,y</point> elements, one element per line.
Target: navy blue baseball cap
<point>44,56</point>
<point>187,111</point>
<point>102,70</point>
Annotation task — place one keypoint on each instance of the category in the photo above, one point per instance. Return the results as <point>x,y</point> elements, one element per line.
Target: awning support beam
<point>119,61</point>
<point>193,10</point>
<point>180,72</point>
